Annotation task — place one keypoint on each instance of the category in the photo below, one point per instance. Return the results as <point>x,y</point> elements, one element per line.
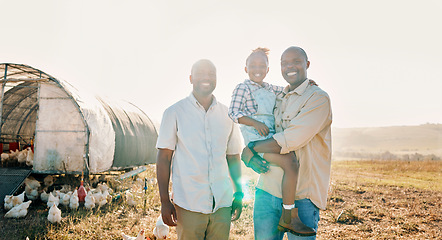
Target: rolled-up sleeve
<point>167,136</point>
<point>237,105</point>
<point>312,118</point>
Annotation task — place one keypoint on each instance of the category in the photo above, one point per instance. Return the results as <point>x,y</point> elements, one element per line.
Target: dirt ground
<point>367,200</point>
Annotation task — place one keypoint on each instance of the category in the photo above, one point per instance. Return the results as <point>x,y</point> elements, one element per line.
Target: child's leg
<point>289,218</point>
<point>288,163</point>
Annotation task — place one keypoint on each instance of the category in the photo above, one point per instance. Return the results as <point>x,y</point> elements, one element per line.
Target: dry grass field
<point>367,200</point>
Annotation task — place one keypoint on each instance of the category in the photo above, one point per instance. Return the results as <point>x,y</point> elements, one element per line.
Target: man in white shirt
<point>200,146</point>
<point>303,120</point>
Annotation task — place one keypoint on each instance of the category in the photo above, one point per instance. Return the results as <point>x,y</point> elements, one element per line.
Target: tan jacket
<point>303,120</point>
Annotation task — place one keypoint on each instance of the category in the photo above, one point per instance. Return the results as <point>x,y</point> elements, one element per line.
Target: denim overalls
<point>266,102</point>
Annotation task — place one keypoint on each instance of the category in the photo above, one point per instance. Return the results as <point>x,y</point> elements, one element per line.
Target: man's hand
<point>236,208</point>
<point>262,129</point>
<point>255,162</point>
<point>168,213</point>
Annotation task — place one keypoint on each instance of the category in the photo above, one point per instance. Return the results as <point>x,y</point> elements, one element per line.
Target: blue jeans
<point>267,212</point>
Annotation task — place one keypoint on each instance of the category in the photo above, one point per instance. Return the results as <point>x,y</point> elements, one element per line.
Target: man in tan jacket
<point>303,120</point>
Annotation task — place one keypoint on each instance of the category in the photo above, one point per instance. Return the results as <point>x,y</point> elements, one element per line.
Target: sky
<point>378,60</point>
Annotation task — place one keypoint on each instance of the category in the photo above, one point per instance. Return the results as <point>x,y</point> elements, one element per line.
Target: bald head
<point>203,78</point>
<point>203,63</point>
<point>296,49</point>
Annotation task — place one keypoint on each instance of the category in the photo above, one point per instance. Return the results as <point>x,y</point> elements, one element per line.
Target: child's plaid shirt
<point>243,103</point>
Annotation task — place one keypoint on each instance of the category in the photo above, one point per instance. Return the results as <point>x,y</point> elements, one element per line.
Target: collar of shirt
<point>198,104</point>
<point>299,90</point>
<point>264,84</point>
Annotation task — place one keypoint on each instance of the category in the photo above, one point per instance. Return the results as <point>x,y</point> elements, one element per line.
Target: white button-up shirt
<point>200,140</point>
<point>303,120</point>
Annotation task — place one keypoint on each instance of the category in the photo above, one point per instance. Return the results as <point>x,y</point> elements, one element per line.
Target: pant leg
<point>309,215</point>
<point>191,225</point>
<point>267,211</point>
<point>219,224</point>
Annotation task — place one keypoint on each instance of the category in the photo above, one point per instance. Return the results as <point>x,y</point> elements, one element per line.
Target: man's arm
<point>164,159</point>
<point>234,163</point>
<point>301,130</point>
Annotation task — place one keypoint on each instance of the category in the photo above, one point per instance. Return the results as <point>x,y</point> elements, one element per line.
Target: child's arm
<point>262,129</point>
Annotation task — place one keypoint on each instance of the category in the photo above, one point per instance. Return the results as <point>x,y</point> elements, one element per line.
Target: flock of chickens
<point>26,156</point>
<point>17,207</point>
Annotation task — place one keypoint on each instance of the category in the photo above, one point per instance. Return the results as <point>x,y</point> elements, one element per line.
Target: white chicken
<point>4,157</point>
<point>52,200</point>
<point>161,230</point>
<point>18,211</point>
<point>21,196</point>
<point>100,199</point>
<point>13,155</point>
<point>140,236</point>
<point>8,202</point>
<point>66,199</point>
<point>44,196</point>
<point>21,156</point>
<point>89,201</point>
<point>107,196</point>
<point>29,157</point>
<point>54,214</point>
<point>130,199</point>
<point>73,201</point>
<point>13,201</point>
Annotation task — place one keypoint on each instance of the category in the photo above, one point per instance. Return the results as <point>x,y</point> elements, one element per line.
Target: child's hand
<point>262,129</point>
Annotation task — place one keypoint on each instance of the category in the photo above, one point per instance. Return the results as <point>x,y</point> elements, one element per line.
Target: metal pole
<point>2,96</point>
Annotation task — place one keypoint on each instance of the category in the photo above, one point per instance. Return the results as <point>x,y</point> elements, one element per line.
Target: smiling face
<point>294,65</point>
<point>257,67</point>
<point>203,77</point>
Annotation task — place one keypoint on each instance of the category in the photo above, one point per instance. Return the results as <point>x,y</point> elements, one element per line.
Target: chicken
<point>107,196</point>
<point>44,196</point>
<point>65,188</point>
<point>8,202</point>
<point>49,181</point>
<point>21,156</point>
<point>161,230</point>
<point>73,201</point>
<point>5,158</point>
<point>89,201</point>
<point>32,183</point>
<point>18,211</point>
<point>19,199</point>
<point>140,236</point>
<point>31,188</point>
<point>30,158</point>
<point>31,194</point>
<point>21,196</point>
<point>100,199</point>
<point>54,214</point>
<point>60,195</point>
<point>13,155</point>
<point>66,199</point>
<point>52,200</point>
<point>130,199</point>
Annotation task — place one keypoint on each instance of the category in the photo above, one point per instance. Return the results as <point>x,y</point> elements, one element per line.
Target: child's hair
<point>259,50</point>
